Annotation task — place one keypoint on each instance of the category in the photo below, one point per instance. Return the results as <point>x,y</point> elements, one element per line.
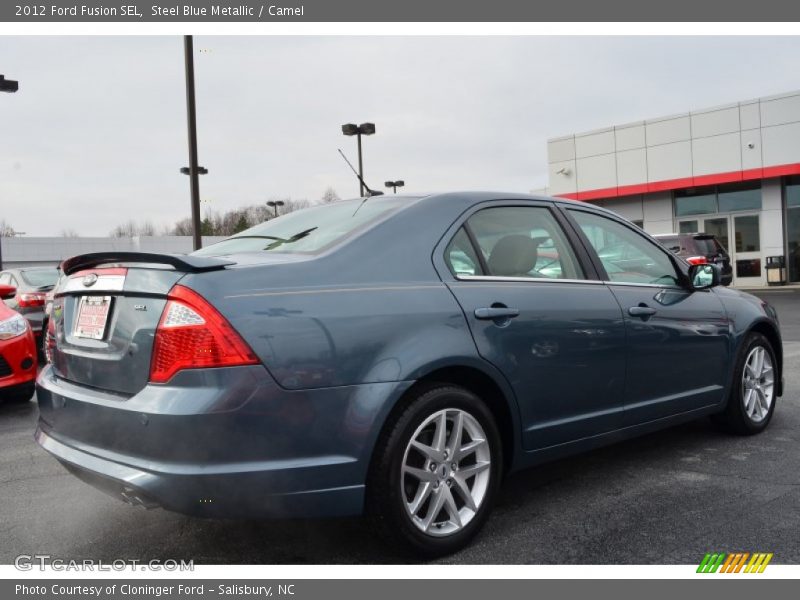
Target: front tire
<point>436,472</point>
<point>19,393</point>
<point>751,403</point>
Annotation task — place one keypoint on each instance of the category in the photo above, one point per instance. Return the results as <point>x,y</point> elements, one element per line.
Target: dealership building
<point>731,170</point>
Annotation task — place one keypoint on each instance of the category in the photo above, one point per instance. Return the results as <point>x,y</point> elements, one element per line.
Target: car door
<point>539,314</point>
<point>678,339</point>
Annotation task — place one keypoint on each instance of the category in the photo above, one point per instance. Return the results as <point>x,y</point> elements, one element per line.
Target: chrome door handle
<point>490,314</point>
<point>642,311</point>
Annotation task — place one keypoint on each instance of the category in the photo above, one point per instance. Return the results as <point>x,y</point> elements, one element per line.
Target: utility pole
<point>191,115</point>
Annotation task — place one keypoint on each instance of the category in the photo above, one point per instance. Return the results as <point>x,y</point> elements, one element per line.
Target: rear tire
<point>435,472</point>
<point>751,402</point>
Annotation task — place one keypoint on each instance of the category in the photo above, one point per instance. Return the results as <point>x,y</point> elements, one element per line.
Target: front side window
<point>523,241</point>
<point>627,256</point>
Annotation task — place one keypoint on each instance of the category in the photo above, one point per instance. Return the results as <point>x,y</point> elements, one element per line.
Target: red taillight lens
<point>697,260</point>
<point>192,334</point>
<point>30,300</point>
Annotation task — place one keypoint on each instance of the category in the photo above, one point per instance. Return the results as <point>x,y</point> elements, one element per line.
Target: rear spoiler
<point>180,262</point>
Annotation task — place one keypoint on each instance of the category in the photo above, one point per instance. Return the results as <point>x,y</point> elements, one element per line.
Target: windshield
<point>307,230</point>
<point>40,277</point>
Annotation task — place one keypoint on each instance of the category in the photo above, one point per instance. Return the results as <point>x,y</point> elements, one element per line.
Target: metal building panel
<point>751,149</point>
<point>780,111</point>
<point>563,182</point>
<point>560,149</point>
<point>629,138</point>
<point>597,172</point>
<point>750,115</point>
<point>667,131</point>
<point>628,207</point>
<point>632,167</point>
<point>715,122</point>
<point>593,144</point>
<point>717,154</point>
<point>781,144</point>
<point>669,161</point>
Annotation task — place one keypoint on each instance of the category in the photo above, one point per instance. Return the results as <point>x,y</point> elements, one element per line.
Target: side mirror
<point>7,292</point>
<point>704,276</point>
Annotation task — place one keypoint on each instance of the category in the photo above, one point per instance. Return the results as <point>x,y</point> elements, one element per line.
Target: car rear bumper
<point>219,442</point>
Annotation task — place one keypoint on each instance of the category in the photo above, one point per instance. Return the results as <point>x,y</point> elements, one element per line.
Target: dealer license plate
<point>92,317</point>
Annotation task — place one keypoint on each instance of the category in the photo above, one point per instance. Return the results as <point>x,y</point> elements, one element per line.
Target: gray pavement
<point>664,498</point>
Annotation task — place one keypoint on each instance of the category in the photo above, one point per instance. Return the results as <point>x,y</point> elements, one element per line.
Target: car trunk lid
<point>106,311</point>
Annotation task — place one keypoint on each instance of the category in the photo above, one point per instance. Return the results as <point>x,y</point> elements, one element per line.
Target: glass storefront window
<point>748,267</point>
<point>730,197</point>
<point>792,192</point>
<point>739,196</point>
<point>793,237</point>
<point>695,205</point>
<point>687,227</point>
<point>746,234</point>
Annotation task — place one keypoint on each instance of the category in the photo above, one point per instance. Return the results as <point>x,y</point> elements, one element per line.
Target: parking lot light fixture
<point>351,129</point>
<point>8,85</point>
<point>395,184</point>
<point>275,204</point>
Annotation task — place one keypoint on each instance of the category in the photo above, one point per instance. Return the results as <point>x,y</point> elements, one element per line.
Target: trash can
<point>776,270</point>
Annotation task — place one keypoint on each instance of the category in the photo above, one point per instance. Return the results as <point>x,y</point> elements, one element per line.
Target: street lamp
<point>193,170</point>
<point>10,86</point>
<point>275,204</point>
<point>395,184</point>
<point>351,129</point>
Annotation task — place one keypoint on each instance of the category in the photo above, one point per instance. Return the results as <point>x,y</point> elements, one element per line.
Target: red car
<point>17,352</point>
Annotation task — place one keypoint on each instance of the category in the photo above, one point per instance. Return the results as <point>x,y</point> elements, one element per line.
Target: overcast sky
<point>97,133</point>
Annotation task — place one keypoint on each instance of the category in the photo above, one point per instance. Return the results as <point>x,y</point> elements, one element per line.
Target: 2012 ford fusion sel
<point>394,356</point>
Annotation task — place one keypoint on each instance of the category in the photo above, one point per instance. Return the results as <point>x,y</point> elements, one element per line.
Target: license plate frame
<point>91,320</point>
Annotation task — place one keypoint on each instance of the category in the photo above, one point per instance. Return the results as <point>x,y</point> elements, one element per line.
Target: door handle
<point>642,311</point>
<point>490,314</point>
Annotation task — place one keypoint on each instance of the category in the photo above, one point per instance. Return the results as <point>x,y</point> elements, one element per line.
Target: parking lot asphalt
<point>668,498</point>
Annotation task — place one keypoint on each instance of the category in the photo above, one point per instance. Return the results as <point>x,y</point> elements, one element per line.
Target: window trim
<point>679,267</point>
<point>584,260</point>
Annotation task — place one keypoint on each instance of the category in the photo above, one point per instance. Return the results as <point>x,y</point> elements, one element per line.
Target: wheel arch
<point>769,331</point>
<point>490,387</point>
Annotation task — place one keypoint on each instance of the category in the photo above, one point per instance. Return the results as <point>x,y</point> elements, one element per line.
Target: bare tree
<point>6,230</point>
<point>69,233</point>
<point>132,228</point>
<point>330,195</point>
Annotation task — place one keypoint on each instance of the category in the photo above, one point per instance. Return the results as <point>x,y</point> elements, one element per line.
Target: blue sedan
<point>394,356</point>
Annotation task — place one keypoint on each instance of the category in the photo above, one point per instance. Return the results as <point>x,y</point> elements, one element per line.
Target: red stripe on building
<point>685,182</point>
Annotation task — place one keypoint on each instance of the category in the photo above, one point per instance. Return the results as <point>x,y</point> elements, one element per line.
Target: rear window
<point>672,243</point>
<point>309,230</point>
<point>40,277</point>
<point>707,246</point>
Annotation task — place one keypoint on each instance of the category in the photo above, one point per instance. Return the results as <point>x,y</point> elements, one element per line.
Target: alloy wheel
<point>758,384</point>
<point>445,473</point>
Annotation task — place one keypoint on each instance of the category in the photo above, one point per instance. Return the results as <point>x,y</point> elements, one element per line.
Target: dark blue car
<point>394,356</point>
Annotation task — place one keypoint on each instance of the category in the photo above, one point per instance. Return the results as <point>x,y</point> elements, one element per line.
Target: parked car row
<point>394,356</point>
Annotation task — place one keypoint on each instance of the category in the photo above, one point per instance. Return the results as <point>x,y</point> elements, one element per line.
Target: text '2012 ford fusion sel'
<point>394,356</point>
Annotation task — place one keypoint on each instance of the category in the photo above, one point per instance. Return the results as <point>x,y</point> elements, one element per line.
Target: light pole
<point>395,184</point>
<point>193,170</point>
<point>10,86</point>
<point>275,204</point>
<point>359,130</point>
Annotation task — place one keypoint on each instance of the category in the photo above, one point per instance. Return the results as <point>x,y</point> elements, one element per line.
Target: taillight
<point>192,334</point>
<point>30,299</point>
<point>697,260</point>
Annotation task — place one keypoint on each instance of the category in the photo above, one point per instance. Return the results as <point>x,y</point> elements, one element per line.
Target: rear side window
<point>673,244</point>
<point>521,241</point>
<point>40,277</point>
<point>309,230</point>
<point>460,256</point>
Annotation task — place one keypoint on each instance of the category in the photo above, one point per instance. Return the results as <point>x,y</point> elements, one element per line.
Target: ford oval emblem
<point>90,280</point>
